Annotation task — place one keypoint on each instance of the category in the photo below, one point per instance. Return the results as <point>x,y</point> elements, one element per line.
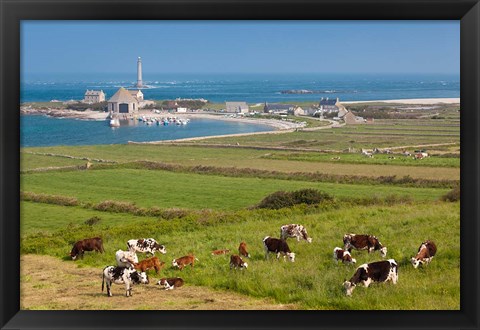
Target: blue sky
<point>62,47</point>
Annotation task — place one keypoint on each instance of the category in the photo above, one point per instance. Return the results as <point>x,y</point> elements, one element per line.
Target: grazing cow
<point>278,246</point>
<point>242,249</point>
<point>379,271</point>
<point>126,258</point>
<point>219,252</point>
<point>391,157</point>
<point>335,158</point>
<point>363,242</point>
<point>88,244</point>
<point>237,262</point>
<point>294,230</point>
<point>406,153</point>
<point>184,261</point>
<point>171,282</point>
<point>425,254</point>
<point>121,275</point>
<point>149,263</point>
<point>367,154</point>
<point>344,256</point>
<point>146,245</point>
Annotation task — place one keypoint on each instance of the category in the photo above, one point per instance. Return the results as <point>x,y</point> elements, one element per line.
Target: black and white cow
<point>121,275</point>
<point>425,254</point>
<point>378,271</point>
<point>363,242</point>
<point>294,230</point>
<point>146,245</point>
<point>278,246</point>
<point>126,258</point>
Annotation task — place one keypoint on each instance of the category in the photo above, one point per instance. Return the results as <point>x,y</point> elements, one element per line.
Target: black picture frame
<point>13,11</point>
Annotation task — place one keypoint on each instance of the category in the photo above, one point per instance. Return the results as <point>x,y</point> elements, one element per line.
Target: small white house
<point>179,109</point>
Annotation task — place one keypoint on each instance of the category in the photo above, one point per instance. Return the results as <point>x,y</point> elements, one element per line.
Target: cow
<point>122,275</point>
<point>146,245</point>
<point>294,230</point>
<point>149,263</point>
<point>184,261</point>
<point>237,262</point>
<point>126,258</point>
<point>344,256</point>
<point>219,252</point>
<point>242,249</point>
<point>378,271</point>
<point>426,252</point>
<point>278,246</point>
<point>171,282</point>
<point>88,244</point>
<point>363,242</point>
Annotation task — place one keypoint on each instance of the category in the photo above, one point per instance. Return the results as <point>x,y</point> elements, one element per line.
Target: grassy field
<point>200,196</point>
<point>312,282</point>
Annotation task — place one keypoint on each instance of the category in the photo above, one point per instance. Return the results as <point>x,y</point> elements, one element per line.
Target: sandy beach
<point>412,101</point>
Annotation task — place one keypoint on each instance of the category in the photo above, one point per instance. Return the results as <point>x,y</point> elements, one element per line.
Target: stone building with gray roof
<point>236,107</point>
<point>92,96</point>
<point>123,102</point>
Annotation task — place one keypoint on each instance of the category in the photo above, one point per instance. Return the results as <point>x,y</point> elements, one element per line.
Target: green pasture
<point>314,281</point>
<point>169,189</point>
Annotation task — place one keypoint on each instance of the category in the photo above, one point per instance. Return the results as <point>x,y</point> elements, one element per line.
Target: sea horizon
<point>251,88</point>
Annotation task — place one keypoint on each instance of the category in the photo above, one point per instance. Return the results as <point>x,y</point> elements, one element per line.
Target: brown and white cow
<point>363,242</point>
<point>88,244</point>
<point>294,230</point>
<point>378,271</point>
<point>242,249</point>
<point>343,255</point>
<point>126,258</point>
<point>184,261</point>
<point>237,262</point>
<point>149,263</point>
<point>279,247</point>
<point>425,254</point>
<point>219,252</point>
<point>171,282</point>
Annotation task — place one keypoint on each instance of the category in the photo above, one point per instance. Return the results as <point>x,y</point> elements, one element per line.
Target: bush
<point>453,195</point>
<point>92,221</point>
<point>281,199</point>
<point>48,199</point>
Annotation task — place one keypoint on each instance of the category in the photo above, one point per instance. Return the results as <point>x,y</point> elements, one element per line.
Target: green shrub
<point>92,221</point>
<point>282,199</point>
<point>453,195</point>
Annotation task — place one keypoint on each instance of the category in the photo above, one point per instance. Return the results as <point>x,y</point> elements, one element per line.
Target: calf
<point>121,275</point>
<point>379,271</point>
<point>242,249</point>
<point>237,262</point>
<point>184,261</point>
<point>126,258</point>
<point>363,242</point>
<point>294,230</point>
<point>278,246</point>
<point>171,282</point>
<point>425,253</point>
<point>146,245</point>
<point>88,244</point>
<point>344,256</point>
<point>149,263</point>
<point>219,252</point>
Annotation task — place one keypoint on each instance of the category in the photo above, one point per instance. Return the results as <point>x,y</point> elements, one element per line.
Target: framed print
<point>231,164</point>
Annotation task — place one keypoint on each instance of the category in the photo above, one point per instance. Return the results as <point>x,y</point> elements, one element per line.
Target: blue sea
<point>252,88</point>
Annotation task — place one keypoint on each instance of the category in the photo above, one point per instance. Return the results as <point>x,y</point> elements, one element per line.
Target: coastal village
<point>129,103</point>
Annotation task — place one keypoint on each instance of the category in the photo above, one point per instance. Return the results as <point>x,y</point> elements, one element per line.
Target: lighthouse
<point>139,73</point>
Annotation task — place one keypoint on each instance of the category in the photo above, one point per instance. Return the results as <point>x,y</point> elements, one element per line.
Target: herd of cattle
<point>130,271</point>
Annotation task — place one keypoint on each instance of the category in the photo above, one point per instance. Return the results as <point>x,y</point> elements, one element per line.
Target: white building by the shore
<point>92,96</point>
<point>237,107</point>
<point>123,102</point>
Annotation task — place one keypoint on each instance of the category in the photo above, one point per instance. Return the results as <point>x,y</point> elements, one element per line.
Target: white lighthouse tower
<point>139,73</point>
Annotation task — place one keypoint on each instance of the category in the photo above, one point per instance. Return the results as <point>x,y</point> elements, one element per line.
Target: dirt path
<point>49,283</point>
